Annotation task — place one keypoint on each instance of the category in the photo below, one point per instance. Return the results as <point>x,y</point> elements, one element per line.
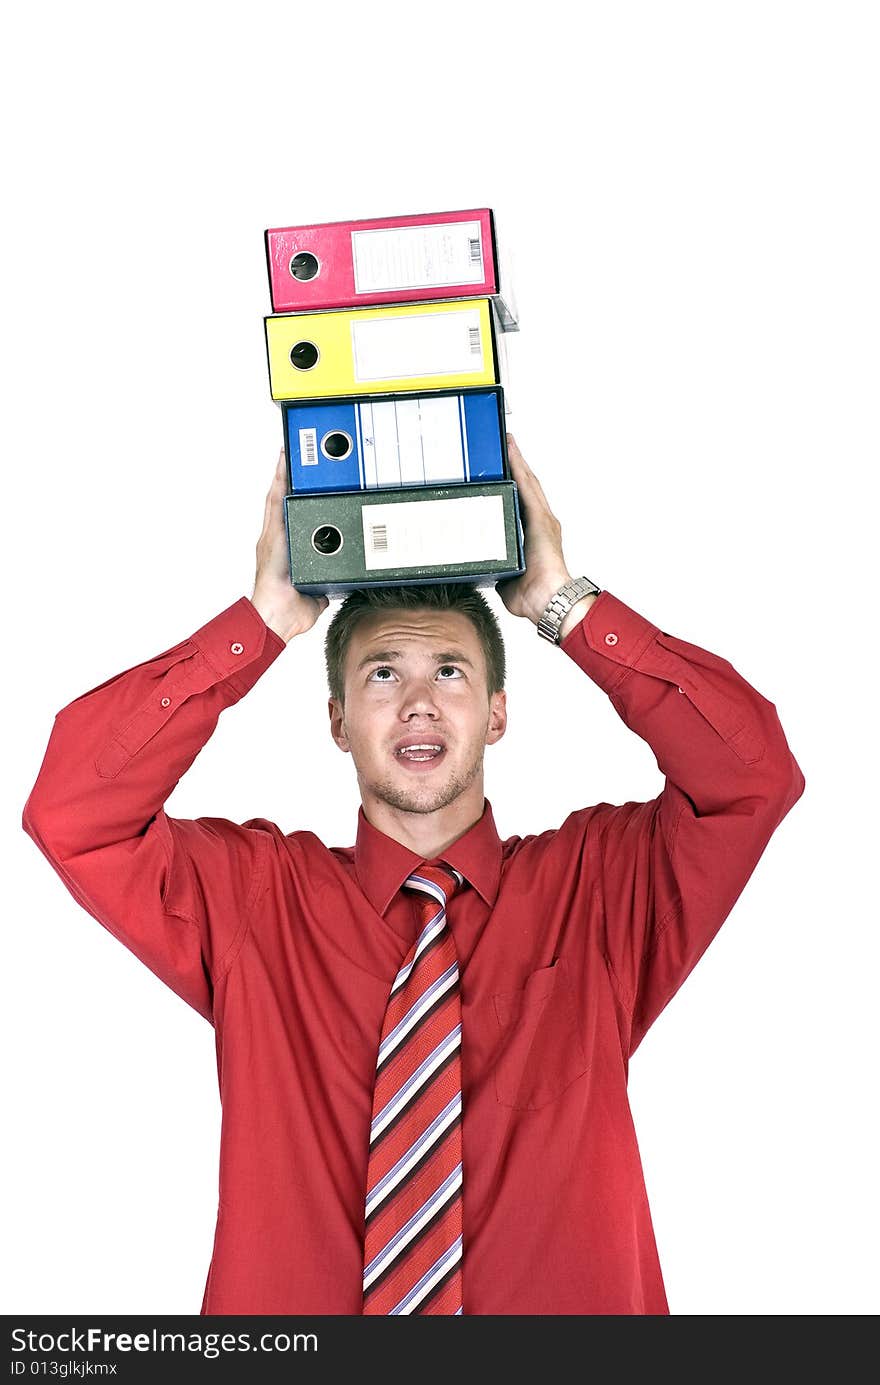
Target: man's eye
<point>444,668</point>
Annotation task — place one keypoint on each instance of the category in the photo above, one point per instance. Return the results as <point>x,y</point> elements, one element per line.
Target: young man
<point>422,1040</point>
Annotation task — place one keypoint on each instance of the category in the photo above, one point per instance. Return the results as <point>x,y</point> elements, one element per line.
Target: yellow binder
<point>408,346</point>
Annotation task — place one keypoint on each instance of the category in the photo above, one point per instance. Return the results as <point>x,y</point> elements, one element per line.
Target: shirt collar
<point>382,863</point>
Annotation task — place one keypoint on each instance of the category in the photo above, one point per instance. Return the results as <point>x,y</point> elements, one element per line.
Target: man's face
<point>417,677</point>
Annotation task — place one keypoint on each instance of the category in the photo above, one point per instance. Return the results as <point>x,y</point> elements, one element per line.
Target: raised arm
<point>176,892</point>
<point>670,870</point>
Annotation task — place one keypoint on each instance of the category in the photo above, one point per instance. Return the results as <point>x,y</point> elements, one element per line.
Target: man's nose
<point>419,695</point>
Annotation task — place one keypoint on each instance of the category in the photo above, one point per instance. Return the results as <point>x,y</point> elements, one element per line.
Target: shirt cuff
<point>239,645</point>
<point>610,640</point>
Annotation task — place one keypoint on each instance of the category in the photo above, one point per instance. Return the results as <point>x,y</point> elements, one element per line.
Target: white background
<point>689,192</point>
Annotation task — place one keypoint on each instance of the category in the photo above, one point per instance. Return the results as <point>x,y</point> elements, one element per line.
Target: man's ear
<point>497,717</point>
<point>337,723</point>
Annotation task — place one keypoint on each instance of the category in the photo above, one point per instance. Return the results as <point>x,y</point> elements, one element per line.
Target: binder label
<point>394,348</point>
<point>429,533</point>
<point>416,257</point>
<point>414,442</point>
<point>308,446</point>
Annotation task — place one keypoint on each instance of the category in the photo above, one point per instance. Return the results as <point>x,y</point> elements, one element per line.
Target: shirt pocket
<point>541,1051</point>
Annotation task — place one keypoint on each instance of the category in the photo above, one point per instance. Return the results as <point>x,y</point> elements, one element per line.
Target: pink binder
<point>392,259</point>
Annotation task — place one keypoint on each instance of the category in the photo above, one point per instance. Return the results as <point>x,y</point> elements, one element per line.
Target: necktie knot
<point>435,880</point>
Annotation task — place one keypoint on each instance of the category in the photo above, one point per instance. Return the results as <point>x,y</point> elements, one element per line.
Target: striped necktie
<point>413,1222</point>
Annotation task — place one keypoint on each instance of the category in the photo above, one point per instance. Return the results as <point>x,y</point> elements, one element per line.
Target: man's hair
<point>442,596</point>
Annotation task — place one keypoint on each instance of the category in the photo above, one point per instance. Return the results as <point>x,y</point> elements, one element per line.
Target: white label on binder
<point>397,348</point>
<point>417,257</point>
<point>308,446</point>
<point>413,442</point>
<point>444,456</point>
<point>429,533</point>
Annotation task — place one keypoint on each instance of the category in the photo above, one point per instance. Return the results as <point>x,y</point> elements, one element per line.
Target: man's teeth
<point>415,749</point>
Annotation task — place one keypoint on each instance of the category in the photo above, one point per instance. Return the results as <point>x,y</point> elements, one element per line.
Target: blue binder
<point>362,442</point>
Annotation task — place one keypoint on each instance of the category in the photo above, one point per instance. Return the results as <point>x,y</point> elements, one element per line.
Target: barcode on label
<point>308,446</point>
<point>476,250</point>
<point>379,538</point>
<point>474,338</point>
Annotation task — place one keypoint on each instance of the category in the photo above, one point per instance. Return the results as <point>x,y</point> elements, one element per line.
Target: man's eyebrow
<point>387,656</point>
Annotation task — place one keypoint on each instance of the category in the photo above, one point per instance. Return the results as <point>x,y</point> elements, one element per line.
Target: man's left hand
<point>546,569</point>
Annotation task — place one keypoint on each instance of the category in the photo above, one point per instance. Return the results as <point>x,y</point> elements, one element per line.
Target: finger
<point>273,499</point>
<point>527,476</point>
<point>277,488</point>
<point>514,448</point>
<point>517,459</point>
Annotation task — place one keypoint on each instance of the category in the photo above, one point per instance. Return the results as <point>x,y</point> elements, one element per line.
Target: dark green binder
<point>466,532</point>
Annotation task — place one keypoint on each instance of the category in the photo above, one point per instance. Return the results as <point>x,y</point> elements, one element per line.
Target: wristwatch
<point>561,603</point>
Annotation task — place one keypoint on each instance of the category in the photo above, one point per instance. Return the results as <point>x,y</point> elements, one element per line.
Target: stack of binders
<point>386,355</point>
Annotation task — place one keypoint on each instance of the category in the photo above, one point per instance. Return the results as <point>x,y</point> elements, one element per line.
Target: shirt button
<point>611,638</point>
<point>166,701</point>
<point>681,690</point>
<point>237,648</point>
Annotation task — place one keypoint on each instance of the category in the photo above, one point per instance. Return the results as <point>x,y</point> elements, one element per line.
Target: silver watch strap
<point>561,603</point>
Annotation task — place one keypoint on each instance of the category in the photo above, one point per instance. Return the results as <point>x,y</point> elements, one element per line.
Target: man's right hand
<point>287,611</point>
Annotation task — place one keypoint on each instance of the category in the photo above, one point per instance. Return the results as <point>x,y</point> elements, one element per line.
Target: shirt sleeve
<point>176,892</point>
<point>672,869</point>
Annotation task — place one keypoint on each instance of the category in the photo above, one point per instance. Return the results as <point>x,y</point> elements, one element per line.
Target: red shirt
<point>570,943</point>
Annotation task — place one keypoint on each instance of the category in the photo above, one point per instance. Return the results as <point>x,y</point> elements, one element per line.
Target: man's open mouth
<point>421,752</point>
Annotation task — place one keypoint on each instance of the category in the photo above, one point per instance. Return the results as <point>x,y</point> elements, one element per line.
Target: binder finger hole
<point>303,265</point>
<point>304,355</point>
<point>336,445</point>
<point>327,539</point>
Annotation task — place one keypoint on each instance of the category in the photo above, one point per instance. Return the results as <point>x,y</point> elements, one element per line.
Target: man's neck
<point>427,834</point>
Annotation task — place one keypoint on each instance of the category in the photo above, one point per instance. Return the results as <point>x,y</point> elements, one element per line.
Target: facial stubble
<point>423,797</point>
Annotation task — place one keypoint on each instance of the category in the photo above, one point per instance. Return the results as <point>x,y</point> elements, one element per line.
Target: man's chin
<point>420,796</point>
